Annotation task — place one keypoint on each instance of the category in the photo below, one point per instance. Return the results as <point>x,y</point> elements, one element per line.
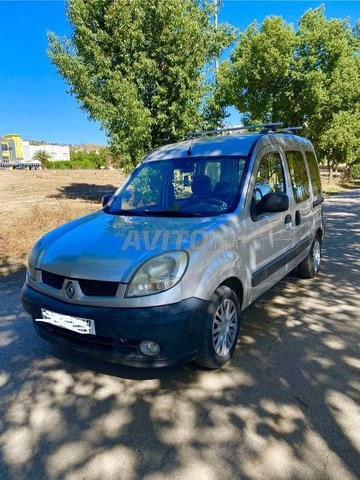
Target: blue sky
<point>34,101</point>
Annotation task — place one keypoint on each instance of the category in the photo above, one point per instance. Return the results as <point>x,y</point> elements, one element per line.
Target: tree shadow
<point>9,265</point>
<point>286,407</point>
<point>84,191</point>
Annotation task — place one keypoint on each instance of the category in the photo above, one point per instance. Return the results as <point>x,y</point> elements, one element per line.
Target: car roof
<point>221,145</point>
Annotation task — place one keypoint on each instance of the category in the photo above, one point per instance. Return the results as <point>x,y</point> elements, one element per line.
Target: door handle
<point>288,222</point>
<point>297,217</point>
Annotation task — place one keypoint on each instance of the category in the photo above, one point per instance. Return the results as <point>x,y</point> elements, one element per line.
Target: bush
<point>90,159</point>
<point>355,171</point>
<point>80,161</point>
<point>54,165</point>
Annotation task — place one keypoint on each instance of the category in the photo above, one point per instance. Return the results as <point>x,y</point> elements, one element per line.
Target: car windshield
<point>181,187</point>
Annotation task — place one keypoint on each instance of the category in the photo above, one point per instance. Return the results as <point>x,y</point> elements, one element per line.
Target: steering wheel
<point>215,202</point>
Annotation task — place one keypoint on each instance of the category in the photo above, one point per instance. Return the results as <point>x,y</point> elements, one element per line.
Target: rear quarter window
<point>314,173</point>
<point>298,175</point>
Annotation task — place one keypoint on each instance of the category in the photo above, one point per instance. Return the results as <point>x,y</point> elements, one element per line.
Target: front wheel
<point>222,329</point>
<point>310,266</point>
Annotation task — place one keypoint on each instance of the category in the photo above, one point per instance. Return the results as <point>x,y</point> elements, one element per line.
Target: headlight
<point>33,258</point>
<point>158,274</point>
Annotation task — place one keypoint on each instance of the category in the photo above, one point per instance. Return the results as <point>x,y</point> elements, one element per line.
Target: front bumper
<point>177,328</point>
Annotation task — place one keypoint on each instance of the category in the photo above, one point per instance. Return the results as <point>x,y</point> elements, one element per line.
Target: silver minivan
<point>199,230</point>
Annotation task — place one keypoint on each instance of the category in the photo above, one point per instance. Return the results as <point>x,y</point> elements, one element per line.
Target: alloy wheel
<point>316,255</point>
<point>224,327</point>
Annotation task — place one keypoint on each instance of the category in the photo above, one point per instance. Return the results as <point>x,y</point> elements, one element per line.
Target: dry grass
<point>17,240</point>
<point>20,235</point>
<point>36,202</point>
<point>338,185</point>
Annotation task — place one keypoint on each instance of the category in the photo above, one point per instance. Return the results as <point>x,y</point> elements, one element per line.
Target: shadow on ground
<point>84,191</point>
<point>10,265</point>
<point>286,408</point>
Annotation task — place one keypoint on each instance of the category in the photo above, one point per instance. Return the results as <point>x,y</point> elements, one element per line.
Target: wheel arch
<point>319,234</point>
<point>236,285</point>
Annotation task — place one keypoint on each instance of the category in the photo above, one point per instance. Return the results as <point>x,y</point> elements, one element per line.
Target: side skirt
<point>264,272</point>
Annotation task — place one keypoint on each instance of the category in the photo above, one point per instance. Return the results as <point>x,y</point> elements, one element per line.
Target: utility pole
<point>216,26</point>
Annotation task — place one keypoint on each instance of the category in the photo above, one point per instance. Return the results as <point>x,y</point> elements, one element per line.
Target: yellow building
<point>15,140</point>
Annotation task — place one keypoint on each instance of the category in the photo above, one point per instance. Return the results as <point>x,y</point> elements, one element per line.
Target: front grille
<point>91,288</point>
<point>52,279</point>
<point>95,288</point>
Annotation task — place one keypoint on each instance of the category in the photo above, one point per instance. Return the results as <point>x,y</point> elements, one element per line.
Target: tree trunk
<point>330,169</point>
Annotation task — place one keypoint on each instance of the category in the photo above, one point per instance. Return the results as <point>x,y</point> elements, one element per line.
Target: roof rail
<point>293,130</point>
<point>265,126</point>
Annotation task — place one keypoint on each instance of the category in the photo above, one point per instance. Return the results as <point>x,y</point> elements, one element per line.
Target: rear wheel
<point>222,329</point>
<point>310,266</point>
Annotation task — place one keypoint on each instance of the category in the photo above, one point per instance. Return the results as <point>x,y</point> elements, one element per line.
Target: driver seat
<point>201,186</point>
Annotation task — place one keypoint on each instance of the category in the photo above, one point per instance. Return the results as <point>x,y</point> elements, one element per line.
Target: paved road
<point>286,408</point>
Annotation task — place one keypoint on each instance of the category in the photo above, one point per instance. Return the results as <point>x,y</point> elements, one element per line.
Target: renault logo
<point>69,290</point>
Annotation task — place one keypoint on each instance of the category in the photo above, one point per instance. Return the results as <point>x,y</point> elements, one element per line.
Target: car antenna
<point>191,144</point>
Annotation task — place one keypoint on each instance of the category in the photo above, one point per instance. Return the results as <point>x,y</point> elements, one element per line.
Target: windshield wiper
<point>154,213</point>
<point>135,213</point>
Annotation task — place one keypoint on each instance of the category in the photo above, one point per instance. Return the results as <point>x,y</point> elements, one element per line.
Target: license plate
<point>76,324</point>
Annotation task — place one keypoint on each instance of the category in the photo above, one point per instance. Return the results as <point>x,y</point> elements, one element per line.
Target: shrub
<point>60,164</point>
<point>81,161</point>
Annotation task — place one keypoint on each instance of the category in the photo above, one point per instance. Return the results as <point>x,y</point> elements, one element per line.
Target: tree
<point>256,78</point>
<point>42,156</point>
<point>327,79</point>
<point>309,77</point>
<point>341,139</point>
<point>139,67</point>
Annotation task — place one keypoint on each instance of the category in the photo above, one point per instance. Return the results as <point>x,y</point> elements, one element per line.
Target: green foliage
<point>355,171</point>
<point>138,68</point>
<point>82,160</point>
<point>341,140</point>
<point>256,78</point>
<point>57,165</point>
<point>142,69</point>
<point>327,77</point>
<point>309,77</point>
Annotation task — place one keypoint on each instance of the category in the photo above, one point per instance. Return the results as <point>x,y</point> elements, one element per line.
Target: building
<point>11,150</point>
<point>56,152</point>
<point>15,151</point>
<point>15,139</point>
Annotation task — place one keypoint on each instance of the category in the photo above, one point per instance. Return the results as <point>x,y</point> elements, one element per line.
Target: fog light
<point>149,348</point>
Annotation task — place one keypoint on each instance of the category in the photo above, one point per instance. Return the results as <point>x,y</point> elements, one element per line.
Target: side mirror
<point>106,198</point>
<point>273,202</point>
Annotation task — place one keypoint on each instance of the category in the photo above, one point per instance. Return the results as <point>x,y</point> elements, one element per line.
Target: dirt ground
<point>286,408</point>
<point>34,202</point>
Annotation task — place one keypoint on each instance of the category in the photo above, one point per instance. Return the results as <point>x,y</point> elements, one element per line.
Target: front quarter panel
<point>219,258</point>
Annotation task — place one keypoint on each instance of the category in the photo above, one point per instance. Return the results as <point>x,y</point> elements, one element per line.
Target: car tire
<point>310,266</point>
<point>221,329</point>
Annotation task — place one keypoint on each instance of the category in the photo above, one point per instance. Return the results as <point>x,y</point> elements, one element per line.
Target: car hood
<point>109,247</point>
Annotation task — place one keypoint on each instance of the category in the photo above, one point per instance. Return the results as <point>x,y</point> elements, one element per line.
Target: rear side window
<point>298,175</point>
<point>314,173</point>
